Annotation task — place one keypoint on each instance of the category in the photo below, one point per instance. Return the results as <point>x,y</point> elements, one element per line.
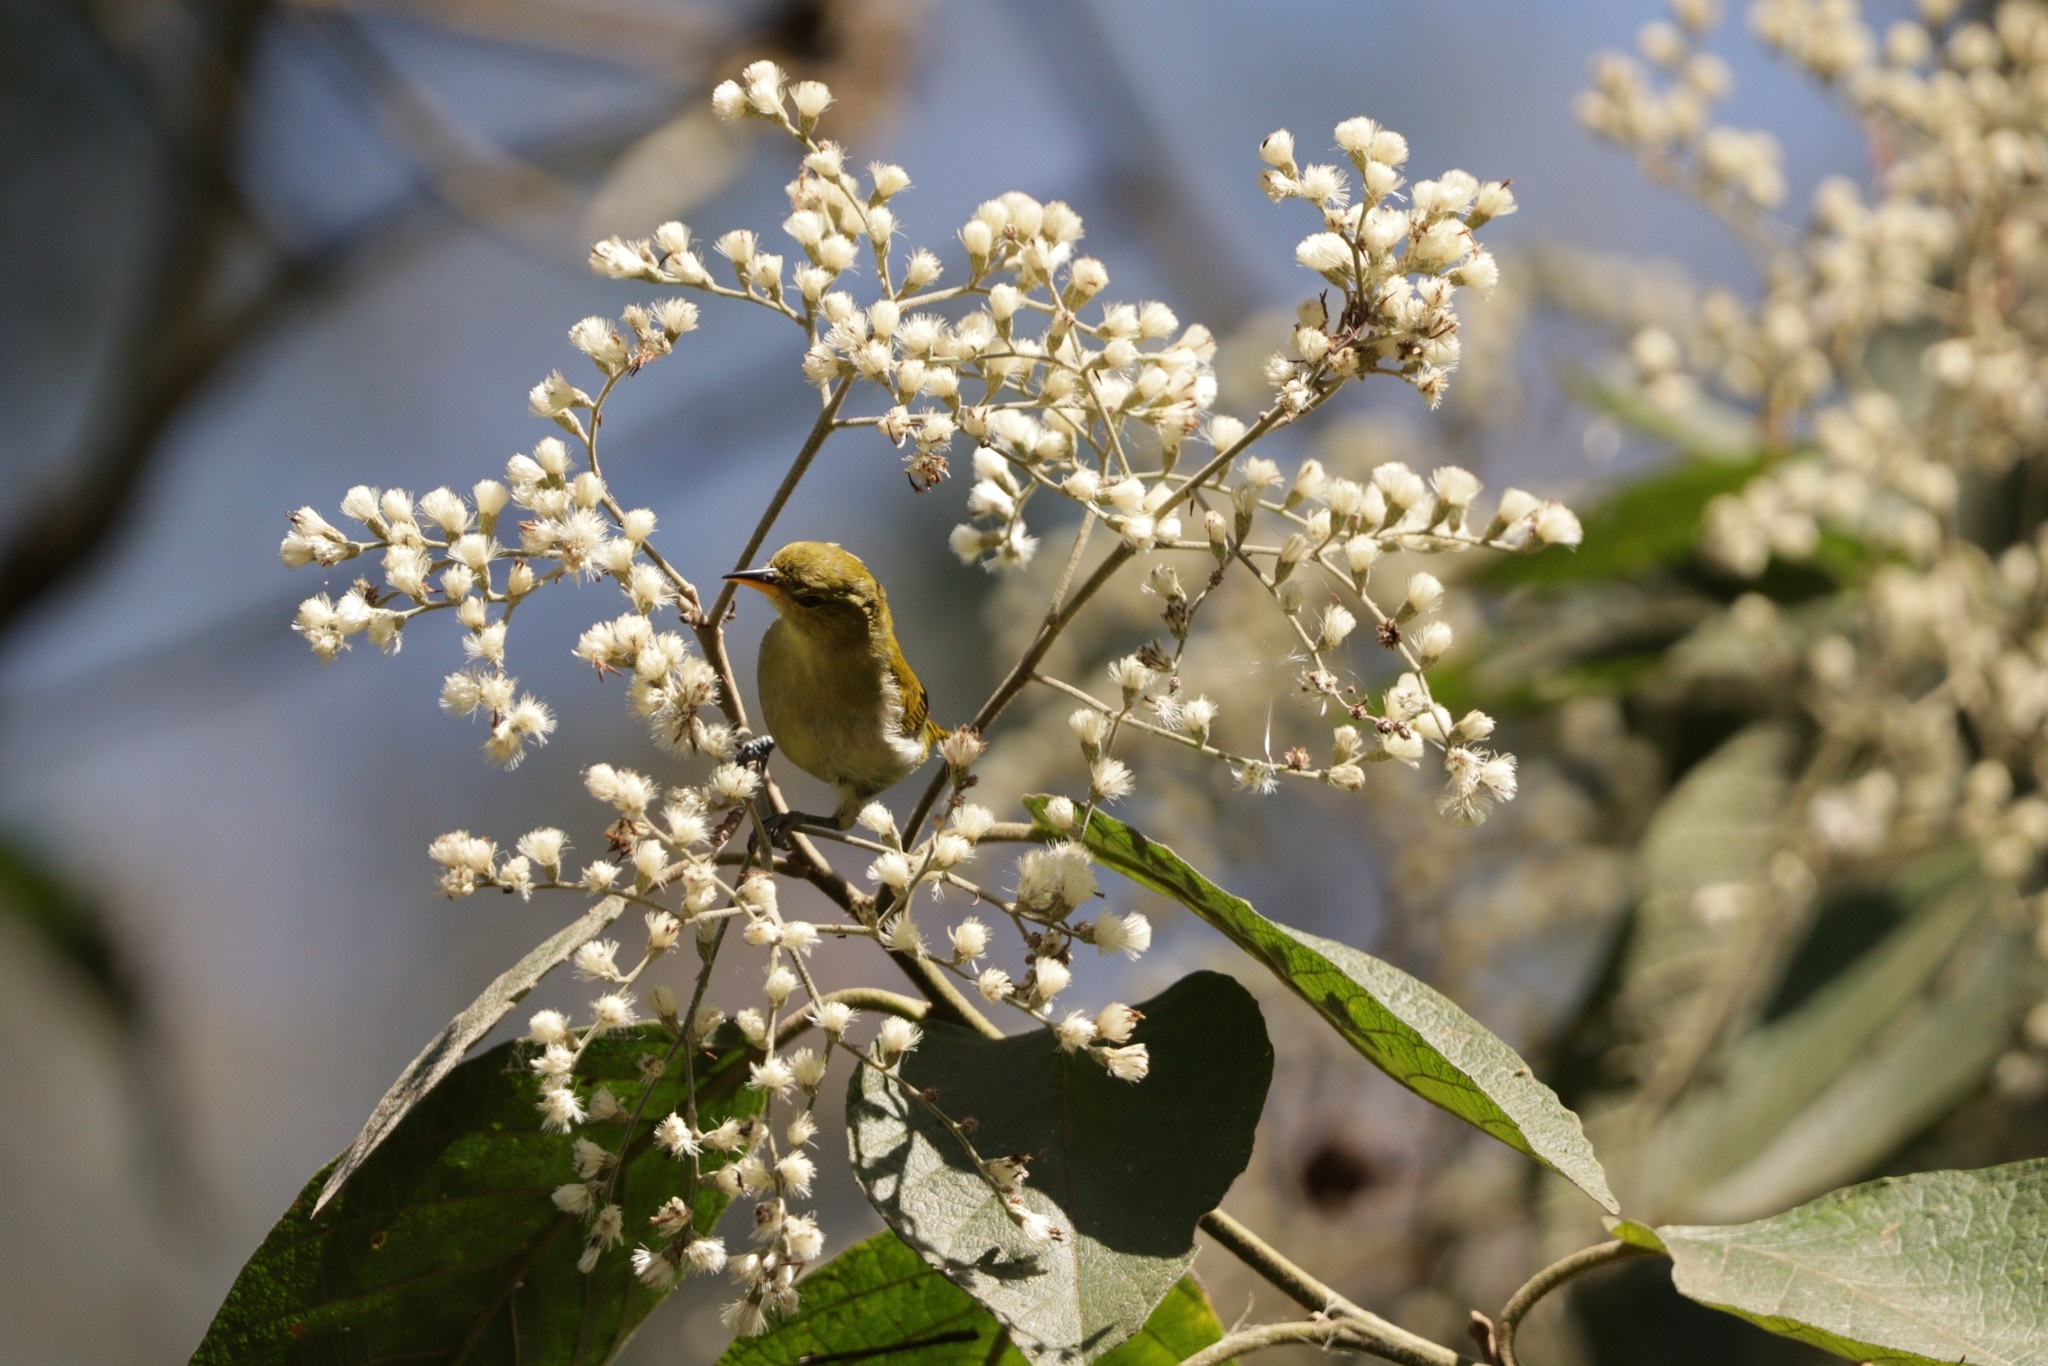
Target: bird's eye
<point>810,599</point>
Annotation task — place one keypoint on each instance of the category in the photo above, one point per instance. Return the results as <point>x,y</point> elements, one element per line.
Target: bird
<point>836,692</point>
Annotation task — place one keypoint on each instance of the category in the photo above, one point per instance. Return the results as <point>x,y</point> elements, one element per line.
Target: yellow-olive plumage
<point>836,692</point>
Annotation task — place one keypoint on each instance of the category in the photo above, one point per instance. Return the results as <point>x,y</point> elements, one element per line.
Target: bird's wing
<point>917,706</point>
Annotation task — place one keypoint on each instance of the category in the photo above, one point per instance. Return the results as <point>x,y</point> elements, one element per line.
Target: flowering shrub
<point>1091,421</point>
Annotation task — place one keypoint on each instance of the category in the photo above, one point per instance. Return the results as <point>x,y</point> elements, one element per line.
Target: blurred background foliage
<point>252,251</point>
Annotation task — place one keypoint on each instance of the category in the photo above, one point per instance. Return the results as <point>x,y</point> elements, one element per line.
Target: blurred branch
<point>175,332</point>
<point>70,923</point>
<point>196,305</point>
<point>1364,1330</point>
<point>650,35</point>
<point>468,172</point>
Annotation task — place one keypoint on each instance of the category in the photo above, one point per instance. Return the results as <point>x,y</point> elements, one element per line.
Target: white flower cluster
<point>1336,531</point>
<point>1052,883</point>
<point>1064,394</point>
<point>1931,695</point>
<point>1399,268</point>
<point>1669,125</point>
<point>443,551</point>
<point>669,850</point>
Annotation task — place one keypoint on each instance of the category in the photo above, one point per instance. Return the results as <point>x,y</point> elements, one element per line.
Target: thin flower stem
<point>1189,741</point>
<point>1088,519</point>
<point>813,443</point>
<point>686,1047</point>
<point>1057,621</point>
<point>1550,1278</point>
<point>1324,1333</point>
<point>1375,1333</point>
<point>960,970</point>
<point>881,1002</point>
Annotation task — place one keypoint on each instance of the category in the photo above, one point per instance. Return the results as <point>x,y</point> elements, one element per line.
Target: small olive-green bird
<point>836,692</point>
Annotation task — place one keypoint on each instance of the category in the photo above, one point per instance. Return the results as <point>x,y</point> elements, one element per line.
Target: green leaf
<point>1823,1094</point>
<point>1639,1235</point>
<point>445,1049</point>
<point>1935,1055</point>
<point>1939,1267</point>
<point>1717,828</point>
<point>446,1246</point>
<point>1123,1169</point>
<point>1406,1028</point>
<point>878,1298</point>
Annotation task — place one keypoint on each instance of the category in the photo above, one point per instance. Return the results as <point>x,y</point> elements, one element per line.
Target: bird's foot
<point>783,826</point>
<point>754,753</point>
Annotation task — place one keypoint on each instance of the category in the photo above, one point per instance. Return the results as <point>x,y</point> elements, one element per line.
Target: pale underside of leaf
<point>1817,1097</point>
<point>1938,1267</point>
<point>1938,1053</point>
<point>879,1299</point>
<point>447,1048</point>
<point>1717,829</point>
<point>1124,1170</point>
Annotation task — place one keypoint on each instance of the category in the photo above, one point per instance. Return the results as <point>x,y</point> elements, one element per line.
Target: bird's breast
<point>836,713</point>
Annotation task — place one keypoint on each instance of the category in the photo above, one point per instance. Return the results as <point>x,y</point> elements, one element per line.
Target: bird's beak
<point>763,579</point>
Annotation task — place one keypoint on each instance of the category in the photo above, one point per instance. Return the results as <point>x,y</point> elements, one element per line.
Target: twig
<point>1549,1279</point>
<point>1378,1336</point>
<point>881,1002</point>
<point>813,443</point>
<point>175,336</point>
<point>1322,1332</point>
<point>1056,622</point>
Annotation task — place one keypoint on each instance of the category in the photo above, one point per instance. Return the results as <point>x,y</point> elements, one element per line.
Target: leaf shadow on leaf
<point>879,1299</point>
<point>1126,1170</point>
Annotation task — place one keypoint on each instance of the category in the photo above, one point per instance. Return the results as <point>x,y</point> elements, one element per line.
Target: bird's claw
<point>781,825</point>
<point>754,753</point>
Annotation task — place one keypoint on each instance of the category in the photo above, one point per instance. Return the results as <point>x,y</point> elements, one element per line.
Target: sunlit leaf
<point>1408,1029</point>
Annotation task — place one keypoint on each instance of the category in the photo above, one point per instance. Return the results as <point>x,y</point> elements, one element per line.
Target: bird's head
<point>820,588</point>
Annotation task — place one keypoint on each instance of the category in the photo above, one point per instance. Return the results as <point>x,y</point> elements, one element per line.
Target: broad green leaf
<point>1936,1054</point>
<point>1406,1028</point>
<point>1815,1098</point>
<point>445,1049</point>
<point>879,1299</point>
<point>446,1246</point>
<point>1123,1169</point>
<point>1714,834</point>
<point>1939,1267</point>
